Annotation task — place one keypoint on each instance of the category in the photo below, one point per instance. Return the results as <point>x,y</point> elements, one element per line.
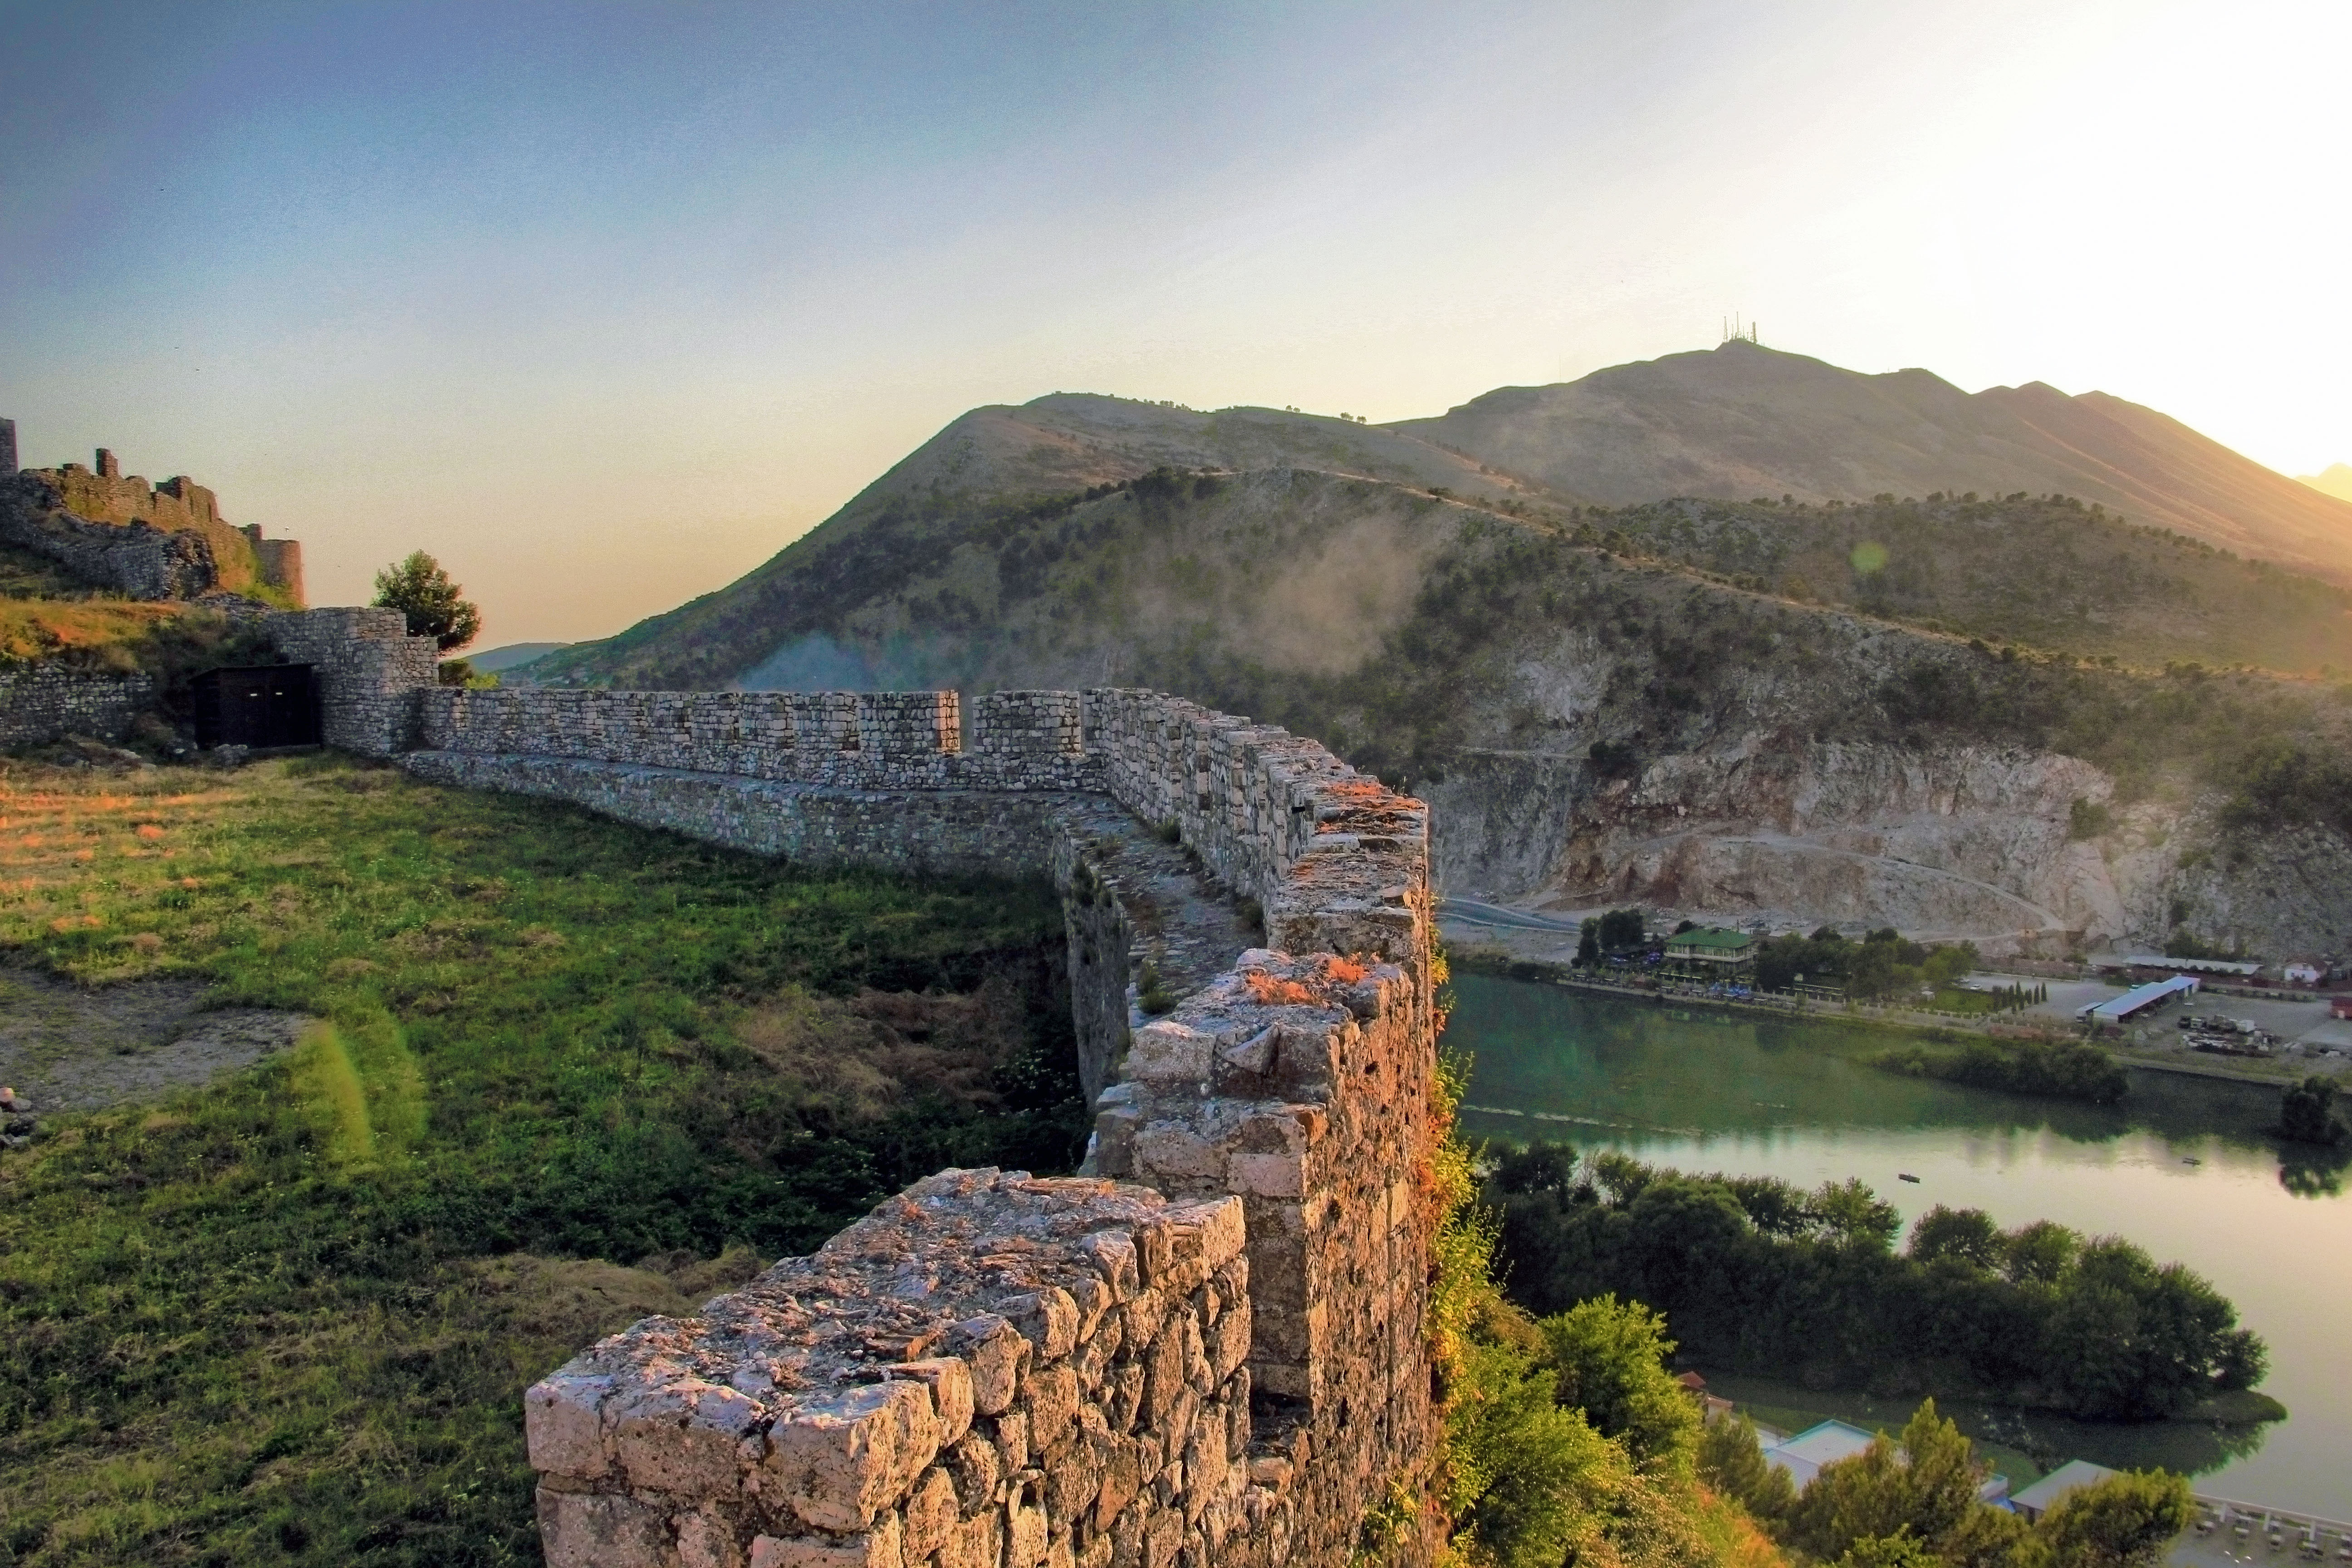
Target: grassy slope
<point>86,631</point>
<point>45,613</point>
<point>290,1318</point>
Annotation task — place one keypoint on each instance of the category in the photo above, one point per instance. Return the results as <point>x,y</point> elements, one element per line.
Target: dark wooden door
<point>268,705</point>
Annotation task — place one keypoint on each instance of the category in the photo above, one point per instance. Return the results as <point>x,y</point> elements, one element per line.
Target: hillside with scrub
<point>2022,721</point>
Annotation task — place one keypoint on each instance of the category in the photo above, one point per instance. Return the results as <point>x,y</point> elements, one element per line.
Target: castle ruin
<point>1205,1348</point>
<point>143,541</point>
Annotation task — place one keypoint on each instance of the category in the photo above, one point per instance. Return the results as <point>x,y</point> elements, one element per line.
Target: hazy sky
<point>603,304</point>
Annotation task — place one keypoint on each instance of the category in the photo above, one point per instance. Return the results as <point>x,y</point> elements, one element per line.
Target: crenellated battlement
<point>147,541</point>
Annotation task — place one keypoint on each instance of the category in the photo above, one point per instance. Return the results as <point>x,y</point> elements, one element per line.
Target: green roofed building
<point>1712,952</point>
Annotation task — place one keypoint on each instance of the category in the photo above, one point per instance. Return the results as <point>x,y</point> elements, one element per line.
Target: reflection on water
<point>2182,1166</point>
<point>2047,1441</point>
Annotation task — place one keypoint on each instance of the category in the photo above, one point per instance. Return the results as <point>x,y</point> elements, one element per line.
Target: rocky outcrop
<point>1963,842</point>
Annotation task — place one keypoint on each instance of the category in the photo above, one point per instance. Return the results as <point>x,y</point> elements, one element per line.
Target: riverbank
<point>1947,1028</point>
<point>2023,1443</point>
<point>2181,1166</point>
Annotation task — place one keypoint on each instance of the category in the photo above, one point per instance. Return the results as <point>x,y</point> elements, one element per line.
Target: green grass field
<point>567,1073</point>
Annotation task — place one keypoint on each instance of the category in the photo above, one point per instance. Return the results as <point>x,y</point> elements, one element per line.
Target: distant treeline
<point>1757,1273</point>
<point>1881,964</point>
<point>2062,1070</point>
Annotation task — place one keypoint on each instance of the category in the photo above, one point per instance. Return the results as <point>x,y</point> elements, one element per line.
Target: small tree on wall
<point>435,607</point>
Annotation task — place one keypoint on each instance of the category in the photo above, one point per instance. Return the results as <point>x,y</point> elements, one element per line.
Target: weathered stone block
<point>1113,1253</point>
<point>930,1513</point>
<point>838,1461</point>
<point>997,1354</point>
<point>1052,1397</point>
<point>879,1547</point>
<point>594,1529</point>
<point>1166,1052</point>
<point>1048,1319</point>
<point>563,1426</point>
<point>949,1381</point>
<point>684,1436</point>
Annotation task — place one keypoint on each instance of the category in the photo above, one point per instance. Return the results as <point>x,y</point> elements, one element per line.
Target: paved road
<point>1477,912</point>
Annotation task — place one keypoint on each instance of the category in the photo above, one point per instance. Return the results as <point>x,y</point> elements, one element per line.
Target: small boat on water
<point>1906,1176</point>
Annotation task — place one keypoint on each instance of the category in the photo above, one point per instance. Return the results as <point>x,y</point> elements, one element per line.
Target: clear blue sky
<point>603,304</point>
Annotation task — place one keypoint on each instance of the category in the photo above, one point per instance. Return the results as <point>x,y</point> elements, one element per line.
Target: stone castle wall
<point>1207,1349</point>
<point>372,674</point>
<point>279,561</point>
<point>137,560</point>
<point>43,702</point>
<point>988,1371</point>
<point>855,740</point>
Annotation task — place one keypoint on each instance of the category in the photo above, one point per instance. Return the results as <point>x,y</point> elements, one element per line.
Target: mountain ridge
<point>2335,479</point>
<point>1742,421</point>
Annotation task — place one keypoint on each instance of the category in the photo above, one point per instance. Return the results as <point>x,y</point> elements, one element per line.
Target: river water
<point>2181,1167</point>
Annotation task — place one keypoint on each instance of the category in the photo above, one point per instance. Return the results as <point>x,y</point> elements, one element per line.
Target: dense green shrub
<point>1752,1272</point>
<point>2307,1112</point>
<point>2062,1070</point>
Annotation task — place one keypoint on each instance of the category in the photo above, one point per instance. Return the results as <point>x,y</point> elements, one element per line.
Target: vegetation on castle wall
<point>567,1073</point>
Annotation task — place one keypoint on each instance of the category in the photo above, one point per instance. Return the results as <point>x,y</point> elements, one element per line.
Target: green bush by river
<point>1755,1274</point>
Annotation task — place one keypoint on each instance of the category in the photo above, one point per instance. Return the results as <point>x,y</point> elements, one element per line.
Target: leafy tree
<point>1610,1360</point>
<point>1526,1473</point>
<point>1732,1461</point>
<point>1900,1549</point>
<point>1966,1234</point>
<point>2244,1360</point>
<point>1756,1273</point>
<point>2125,1521</point>
<point>1622,928</point>
<point>435,607</point>
<point>1924,1483</point>
<point>1588,942</point>
<point>2039,1252</point>
<point>2307,1112</point>
<point>1537,1168</point>
<point>1850,1214</point>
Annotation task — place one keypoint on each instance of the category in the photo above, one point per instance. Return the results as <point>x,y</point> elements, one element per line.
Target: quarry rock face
<point>1207,1349</point>
<point>1967,842</point>
<point>1739,812</point>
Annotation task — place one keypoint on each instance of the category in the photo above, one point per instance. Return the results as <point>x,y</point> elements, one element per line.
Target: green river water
<point>2181,1167</point>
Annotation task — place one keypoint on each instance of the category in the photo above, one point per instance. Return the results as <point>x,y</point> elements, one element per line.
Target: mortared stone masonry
<point>1205,1350</point>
